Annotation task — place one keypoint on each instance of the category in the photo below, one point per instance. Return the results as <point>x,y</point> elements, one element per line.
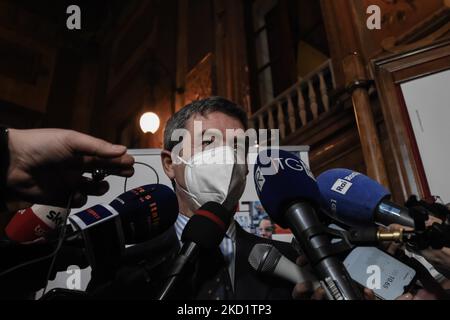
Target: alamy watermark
<point>73,21</point>
<point>374,280</point>
<point>374,20</point>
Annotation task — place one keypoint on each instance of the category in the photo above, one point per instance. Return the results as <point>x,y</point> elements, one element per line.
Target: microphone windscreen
<point>264,257</point>
<point>146,212</point>
<point>208,226</point>
<point>34,223</point>
<point>283,181</point>
<point>351,197</point>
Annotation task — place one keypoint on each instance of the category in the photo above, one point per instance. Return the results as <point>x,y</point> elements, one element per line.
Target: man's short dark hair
<point>203,108</point>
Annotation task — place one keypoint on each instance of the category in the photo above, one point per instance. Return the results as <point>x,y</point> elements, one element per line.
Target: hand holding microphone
<point>358,201</point>
<point>46,165</point>
<point>290,195</point>
<point>266,259</point>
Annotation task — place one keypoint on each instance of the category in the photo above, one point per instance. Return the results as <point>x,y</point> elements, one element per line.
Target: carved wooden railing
<point>299,105</point>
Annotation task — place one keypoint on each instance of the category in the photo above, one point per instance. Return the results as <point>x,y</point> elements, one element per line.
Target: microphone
<point>267,259</point>
<point>290,195</point>
<point>358,201</point>
<point>205,230</point>
<point>144,212</point>
<point>133,217</point>
<point>34,223</point>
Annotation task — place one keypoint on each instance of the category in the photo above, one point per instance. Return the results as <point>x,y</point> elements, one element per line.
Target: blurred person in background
<point>266,229</point>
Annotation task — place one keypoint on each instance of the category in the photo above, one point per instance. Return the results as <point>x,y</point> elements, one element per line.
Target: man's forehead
<point>214,120</point>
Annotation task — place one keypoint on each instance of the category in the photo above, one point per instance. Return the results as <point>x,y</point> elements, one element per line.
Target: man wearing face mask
<point>212,170</point>
<point>216,171</point>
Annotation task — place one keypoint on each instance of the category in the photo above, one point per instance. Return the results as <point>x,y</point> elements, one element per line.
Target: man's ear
<point>167,163</point>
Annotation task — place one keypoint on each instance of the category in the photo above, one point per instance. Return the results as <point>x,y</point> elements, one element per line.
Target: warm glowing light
<point>149,122</point>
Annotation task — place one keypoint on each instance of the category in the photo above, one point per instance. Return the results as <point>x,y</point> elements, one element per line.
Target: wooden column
<point>341,33</point>
<point>231,52</point>
<point>356,79</point>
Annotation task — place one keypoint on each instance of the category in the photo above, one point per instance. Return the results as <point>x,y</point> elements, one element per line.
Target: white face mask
<point>214,175</point>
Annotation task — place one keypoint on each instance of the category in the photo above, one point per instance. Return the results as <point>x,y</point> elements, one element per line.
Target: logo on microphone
<point>341,186</point>
<point>259,179</point>
<point>55,217</point>
<point>39,231</point>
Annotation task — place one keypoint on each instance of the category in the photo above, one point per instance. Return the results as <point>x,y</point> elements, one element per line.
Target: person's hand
<point>47,166</point>
<point>440,259</point>
<point>305,290</point>
<point>421,294</point>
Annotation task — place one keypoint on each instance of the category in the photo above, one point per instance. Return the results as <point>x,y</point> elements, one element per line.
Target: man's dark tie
<point>212,279</point>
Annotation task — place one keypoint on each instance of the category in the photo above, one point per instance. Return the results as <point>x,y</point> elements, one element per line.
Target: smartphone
<point>379,271</point>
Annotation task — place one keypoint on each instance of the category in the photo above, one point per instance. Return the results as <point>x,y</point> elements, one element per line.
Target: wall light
<point>149,122</point>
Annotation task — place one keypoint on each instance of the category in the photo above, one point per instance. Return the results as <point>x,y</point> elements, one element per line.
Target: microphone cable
<point>60,242</point>
<point>145,165</point>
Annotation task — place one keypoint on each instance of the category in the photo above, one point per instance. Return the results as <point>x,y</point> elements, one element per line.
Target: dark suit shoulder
<point>286,249</point>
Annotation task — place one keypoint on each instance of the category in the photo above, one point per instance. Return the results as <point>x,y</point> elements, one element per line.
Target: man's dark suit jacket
<point>141,277</point>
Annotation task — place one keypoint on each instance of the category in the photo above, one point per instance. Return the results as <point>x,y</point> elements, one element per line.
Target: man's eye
<point>207,143</point>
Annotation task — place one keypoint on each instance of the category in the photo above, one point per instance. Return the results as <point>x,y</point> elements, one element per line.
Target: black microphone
<point>267,259</point>
<point>205,230</point>
<point>290,195</point>
<point>133,217</point>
